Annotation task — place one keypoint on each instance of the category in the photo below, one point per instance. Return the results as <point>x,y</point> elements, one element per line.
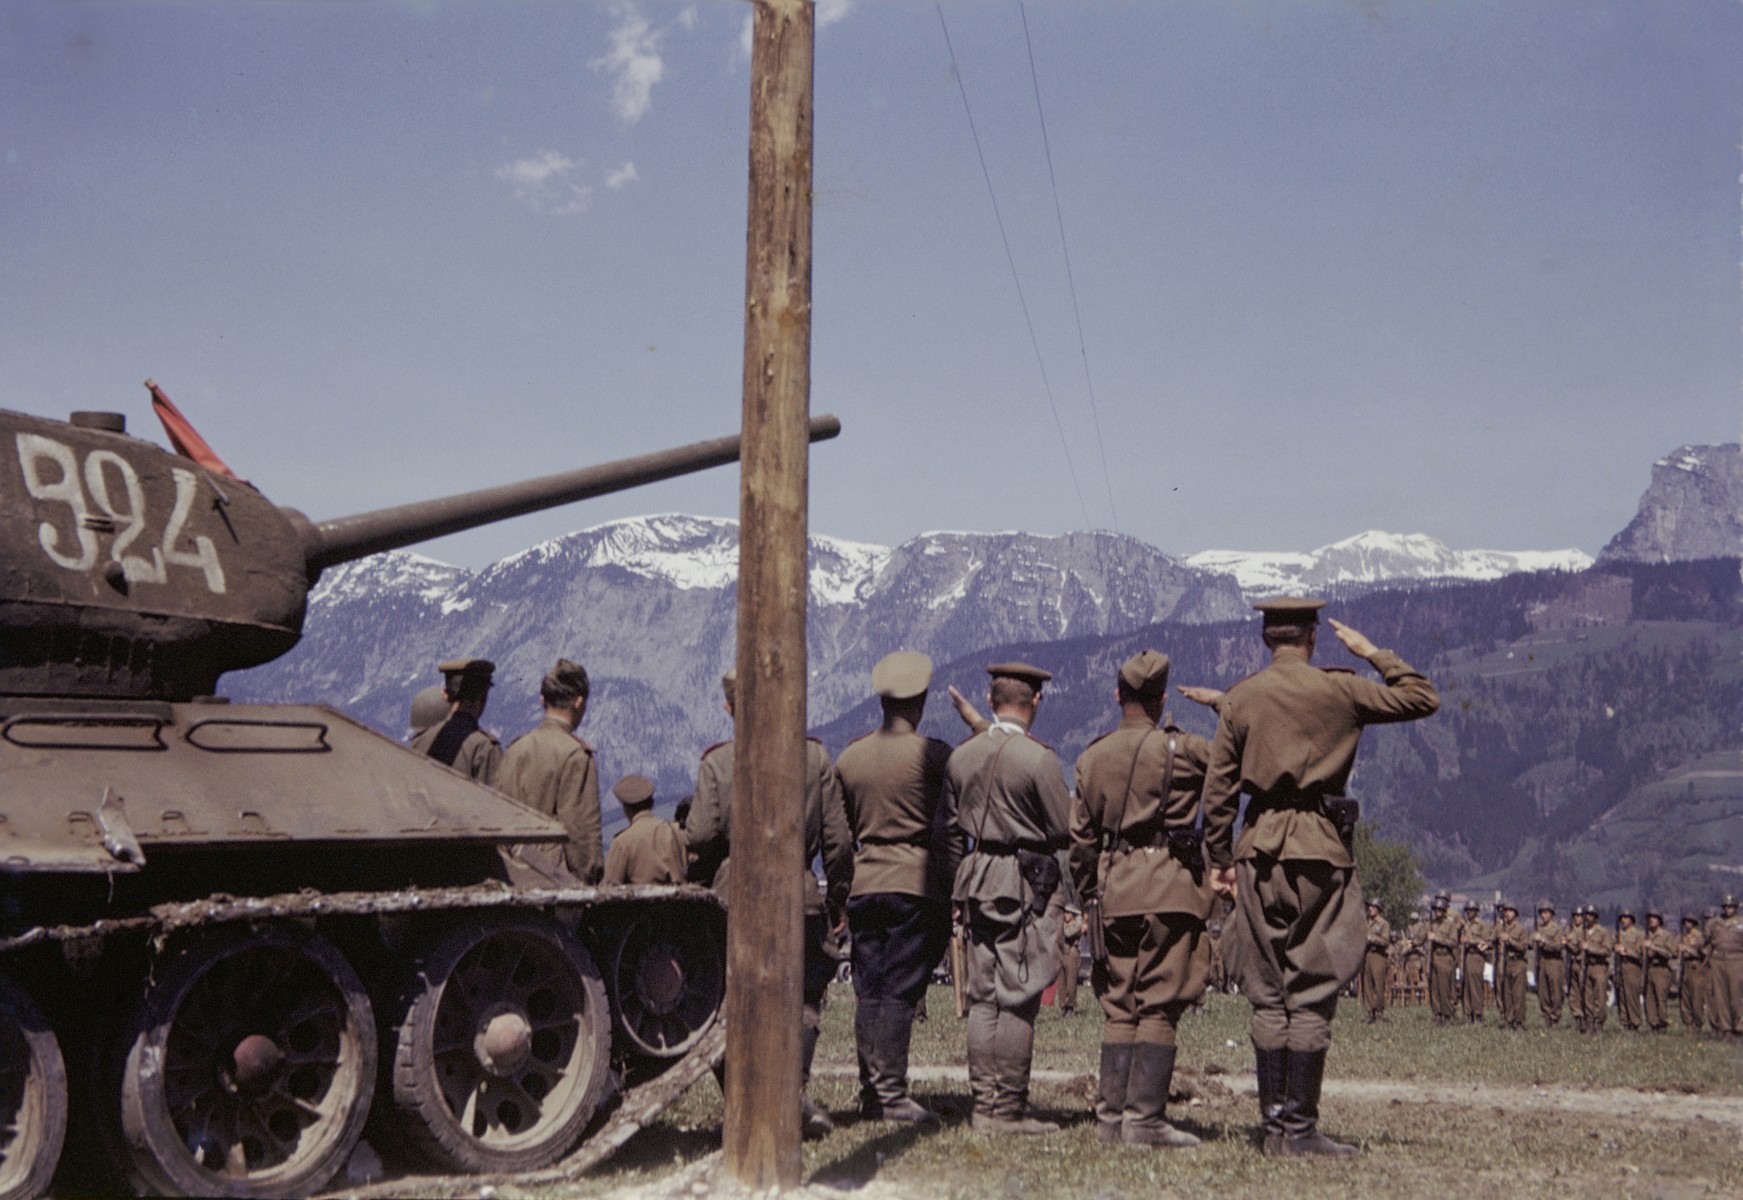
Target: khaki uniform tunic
<point>1008,791</point>
<point>1443,960</point>
<point>892,787</point>
<point>1515,941</point>
<point>1376,966</point>
<point>1576,969</point>
<point>649,850</point>
<point>1287,737</point>
<point>1598,942</point>
<point>479,756</point>
<point>1550,941</point>
<point>1476,937</point>
<point>1630,975</point>
<point>1725,973</point>
<point>1692,983</point>
<point>1414,956</point>
<point>551,771</point>
<point>1153,905</point>
<point>1660,955</point>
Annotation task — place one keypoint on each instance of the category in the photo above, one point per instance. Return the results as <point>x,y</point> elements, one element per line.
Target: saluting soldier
<point>1549,940</point>
<point>1725,971</point>
<point>1008,791</point>
<point>907,848</point>
<point>457,741</point>
<point>1598,944</point>
<point>552,771</point>
<point>1514,946</point>
<point>1475,936</point>
<point>1660,955</point>
<point>1136,853</point>
<point>1692,984</point>
<point>1576,966</point>
<point>648,849</point>
<point>709,836</point>
<point>1288,737</point>
<point>1376,966</point>
<point>1630,972</point>
<point>1443,960</point>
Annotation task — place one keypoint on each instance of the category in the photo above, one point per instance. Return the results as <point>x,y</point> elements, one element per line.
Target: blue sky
<point>1462,269</point>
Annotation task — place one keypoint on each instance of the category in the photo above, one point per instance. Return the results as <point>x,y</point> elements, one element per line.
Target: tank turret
<point>128,571</point>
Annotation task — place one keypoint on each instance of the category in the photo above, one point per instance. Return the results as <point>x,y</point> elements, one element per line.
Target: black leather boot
<point>1110,1105</point>
<point>1301,1135</point>
<point>1272,1069</point>
<point>892,1030</point>
<point>813,1121</point>
<point>1147,1099</point>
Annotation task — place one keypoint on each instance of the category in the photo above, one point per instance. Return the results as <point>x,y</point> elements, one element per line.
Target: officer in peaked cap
<point>648,850</point>
<point>458,742</point>
<point>1287,737</point>
<point>708,831</point>
<point>1514,945</point>
<point>1141,875</point>
<point>551,770</point>
<point>1549,941</point>
<point>1008,793</point>
<point>898,912</point>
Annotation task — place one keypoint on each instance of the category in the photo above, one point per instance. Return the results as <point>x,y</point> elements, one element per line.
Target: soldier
<point>1576,966</point>
<point>1725,971</point>
<point>1008,791</point>
<point>709,837</point>
<point>1692,983</point>
<point>1443,959</point>
<point>1288,737</point>
<point>1376,974</point>
<point>429,707</point>
<point>551,770</point>
<point>1070,959</point>
<point>1413,957</point>
<point>1475,935</point>
<point>458,742</point>
<point>648,850</point>
<point>1597,944</point>
<point>892,787</point>
<point>1136,854</point>
<point>1513,946</point>
<point>1660,954</point>
<point>1218,980</point>
<point>1630,973</point>
<point>1549,940</point>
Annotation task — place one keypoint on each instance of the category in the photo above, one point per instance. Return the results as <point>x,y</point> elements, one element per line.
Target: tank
<point>235,939</point>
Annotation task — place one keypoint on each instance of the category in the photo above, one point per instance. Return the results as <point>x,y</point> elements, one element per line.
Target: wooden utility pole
<point>765,951</point>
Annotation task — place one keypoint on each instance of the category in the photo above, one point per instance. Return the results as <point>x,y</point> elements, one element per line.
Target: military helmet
<point>1507,906</point>
<point>1730,900</point>
<point>1442,900</point>
<point>1415,915</point>
<point>1472,906</point>
<point>1655,912</point>
<point>1690,918</point>
<point>1625,911</point>
<point>1546,905</point>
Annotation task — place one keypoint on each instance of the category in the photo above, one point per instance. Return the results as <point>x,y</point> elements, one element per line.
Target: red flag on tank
<point>184,437</point>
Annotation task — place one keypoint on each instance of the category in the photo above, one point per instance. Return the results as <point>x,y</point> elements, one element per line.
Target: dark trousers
<point>897,940</point>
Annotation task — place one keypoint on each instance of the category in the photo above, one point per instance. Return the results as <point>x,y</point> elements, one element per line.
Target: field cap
<point>1146,673</point>
<point>634,791</point>
<point>1033,676</point>
<point>429,707</point>
<point>1291,610</point>
<point>901,675</point>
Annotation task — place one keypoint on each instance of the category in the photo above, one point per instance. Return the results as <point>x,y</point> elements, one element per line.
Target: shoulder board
<point>493,738</point>
<point>1337,670</point>
<point>1099,737</point>
<point>716,746</point>
<point>1237,683</point>
<point>1038,741</point>
<point>862,737</point>
<point>584,743</point>
<point>818,740</point>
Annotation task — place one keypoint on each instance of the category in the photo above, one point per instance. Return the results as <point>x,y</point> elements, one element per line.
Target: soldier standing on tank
<point>552,771</point>
<point>1660,955</point>
<point>709,834</point>
<point>1443,958</point>
<point>1287,737</point>
<point>1630,973</point>
<point>1376,973</point>
<point>1514,945</point>
<point>892,786</point>
<point>1691,979</point>
<point>1725,971</point>
<point>1597,943</point>
<point>1549,940</point>
<point>1139,864</point>
<point>1008,791</point>
<point>1475,936</point>
<point>648,849</point>
<point>458,742</point>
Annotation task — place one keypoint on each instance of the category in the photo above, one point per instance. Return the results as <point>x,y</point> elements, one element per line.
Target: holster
<point>1344,812</point>
<point>1187,847</point>
<point>1041,872</point>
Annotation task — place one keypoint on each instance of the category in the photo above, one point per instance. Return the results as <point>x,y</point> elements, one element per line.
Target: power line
<point>1046,385</point>
<point>1059,216</point>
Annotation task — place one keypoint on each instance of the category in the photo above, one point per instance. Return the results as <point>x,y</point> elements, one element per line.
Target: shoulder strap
<point>1112,830</point>
<point>983,784</point>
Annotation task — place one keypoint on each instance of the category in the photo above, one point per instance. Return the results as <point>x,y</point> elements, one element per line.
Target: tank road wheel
<point>251,1066</point>
<point>504,1050</point>
<point>33,1097</point>
<point>669,978</point>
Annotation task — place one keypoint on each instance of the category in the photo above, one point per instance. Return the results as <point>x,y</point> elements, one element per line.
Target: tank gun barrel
<point>343,539</point>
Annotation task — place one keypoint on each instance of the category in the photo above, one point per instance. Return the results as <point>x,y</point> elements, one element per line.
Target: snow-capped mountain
<point>1692,509</point>
<point>1376,557</point>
